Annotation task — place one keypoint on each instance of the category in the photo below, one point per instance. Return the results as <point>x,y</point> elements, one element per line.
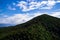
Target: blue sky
<point>20,11</point>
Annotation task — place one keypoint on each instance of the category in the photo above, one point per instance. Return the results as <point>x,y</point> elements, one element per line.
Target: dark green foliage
<point>43,27</point>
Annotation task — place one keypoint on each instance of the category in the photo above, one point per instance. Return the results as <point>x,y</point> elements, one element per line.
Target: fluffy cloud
<point>21,18</point>
<point>33,4</point>
<point>17,18</point>
<point>25,6</point>
<point>58,1</point>
<point>56,14</point>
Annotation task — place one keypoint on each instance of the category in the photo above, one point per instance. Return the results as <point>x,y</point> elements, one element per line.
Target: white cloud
<point>21,18</point>
<point>15,19</point>
<point>18,18</point>
<point>56,14</point>
<point>51,3</point>
<point>58,1</point>
<point>36,5</point>
<point>33,4</point>
<point>22,5</point>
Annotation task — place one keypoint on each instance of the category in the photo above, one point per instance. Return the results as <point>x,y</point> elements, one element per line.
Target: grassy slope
<point>43,27</point>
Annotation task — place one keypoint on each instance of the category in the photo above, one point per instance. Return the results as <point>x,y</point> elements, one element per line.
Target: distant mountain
<point>5,25</point>
<point>43,27</point>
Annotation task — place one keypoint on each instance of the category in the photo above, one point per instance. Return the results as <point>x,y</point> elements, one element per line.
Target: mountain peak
<point>44,14</point>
